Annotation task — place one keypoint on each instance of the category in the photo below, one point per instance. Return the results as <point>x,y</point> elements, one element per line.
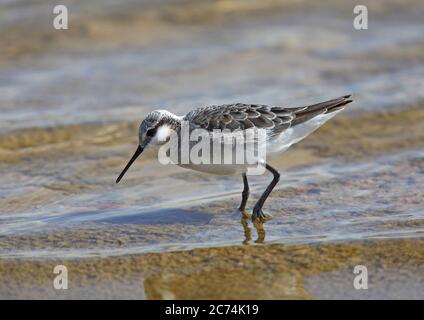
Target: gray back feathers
<point>244,116</point>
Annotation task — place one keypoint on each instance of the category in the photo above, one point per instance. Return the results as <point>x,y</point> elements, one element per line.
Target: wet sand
<point>349,194</point>
<point>271,271</point>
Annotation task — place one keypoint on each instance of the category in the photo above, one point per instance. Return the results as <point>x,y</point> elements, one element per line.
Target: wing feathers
<point>244,116</point>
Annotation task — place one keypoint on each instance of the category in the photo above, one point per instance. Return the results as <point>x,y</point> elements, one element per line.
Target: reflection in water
<point>269,271</point>
<point>225,282</point>
<point>298,271</point>
<point>60,150</point>
<point>58,189</point>
<point>259,226</point>
<point>247,233</point>
<point>362,200</point>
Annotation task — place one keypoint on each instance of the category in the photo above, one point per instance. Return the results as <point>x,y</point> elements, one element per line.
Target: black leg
<point>257,210</point>
<point>245,193</point>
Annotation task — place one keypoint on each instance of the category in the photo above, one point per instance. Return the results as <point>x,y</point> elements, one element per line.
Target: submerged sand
<point>271,271</point>
<point>103,263</point>
<point>350,194</point>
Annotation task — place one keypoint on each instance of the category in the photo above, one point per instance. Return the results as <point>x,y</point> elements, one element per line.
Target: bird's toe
<point>260,216</point>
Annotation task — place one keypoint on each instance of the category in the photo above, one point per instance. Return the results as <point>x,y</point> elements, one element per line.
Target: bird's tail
<point>308,112</point>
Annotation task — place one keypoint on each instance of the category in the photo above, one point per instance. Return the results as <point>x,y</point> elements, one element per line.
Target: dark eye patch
<point>151,132</point>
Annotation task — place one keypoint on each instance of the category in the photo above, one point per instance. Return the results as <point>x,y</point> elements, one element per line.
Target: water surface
<point>71,100</point>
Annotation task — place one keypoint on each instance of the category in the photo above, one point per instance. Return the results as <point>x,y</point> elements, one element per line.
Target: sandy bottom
<point>350,194</point>
<point>271,271</point>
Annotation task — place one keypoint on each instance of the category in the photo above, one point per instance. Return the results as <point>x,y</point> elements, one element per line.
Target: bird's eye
<point>151,133</point>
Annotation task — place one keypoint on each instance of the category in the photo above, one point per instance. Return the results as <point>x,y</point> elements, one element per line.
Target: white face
<point>153,131</point>
<point>162,134</point>
<point>150,132</point>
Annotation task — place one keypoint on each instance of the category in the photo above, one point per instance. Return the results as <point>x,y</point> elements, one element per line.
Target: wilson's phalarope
<point>283,127</point>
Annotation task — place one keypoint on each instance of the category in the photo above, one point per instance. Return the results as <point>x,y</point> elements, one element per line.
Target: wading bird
<point>283,126</point>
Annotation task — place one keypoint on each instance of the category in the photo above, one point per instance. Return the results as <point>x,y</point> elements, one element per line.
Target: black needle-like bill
<point>135,156</point>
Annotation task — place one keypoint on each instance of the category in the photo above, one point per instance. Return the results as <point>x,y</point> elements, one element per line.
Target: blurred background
<point>71,101</point>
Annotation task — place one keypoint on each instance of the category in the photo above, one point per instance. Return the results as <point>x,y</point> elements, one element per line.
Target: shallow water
<point>70,101</point>
<point>325,202</point>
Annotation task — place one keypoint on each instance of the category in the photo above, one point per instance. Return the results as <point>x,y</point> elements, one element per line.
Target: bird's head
<point>154,130</point>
